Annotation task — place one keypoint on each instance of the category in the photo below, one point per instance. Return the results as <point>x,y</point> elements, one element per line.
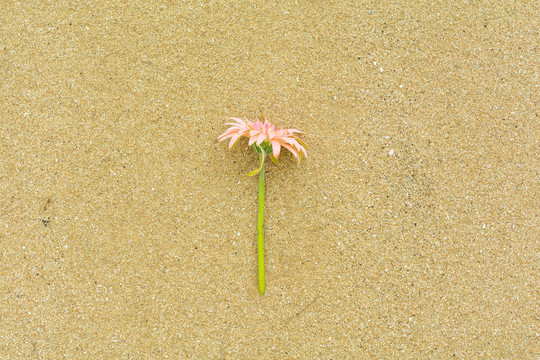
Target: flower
<point>266,140</point>
<point>265,136</point>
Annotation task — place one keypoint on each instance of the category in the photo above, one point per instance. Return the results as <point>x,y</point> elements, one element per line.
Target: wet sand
<point>127,231</point>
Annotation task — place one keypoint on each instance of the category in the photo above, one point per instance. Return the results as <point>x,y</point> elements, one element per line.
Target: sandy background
<point>128,232</point>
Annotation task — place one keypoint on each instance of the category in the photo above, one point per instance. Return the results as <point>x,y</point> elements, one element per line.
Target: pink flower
<point>266,136</point>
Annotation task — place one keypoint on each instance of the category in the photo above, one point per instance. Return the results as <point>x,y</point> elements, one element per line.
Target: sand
<point>127,231</point>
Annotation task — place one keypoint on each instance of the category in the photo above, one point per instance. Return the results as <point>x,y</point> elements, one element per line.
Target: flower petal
<point>276,148</point>
<point>292,131</point>
<point>252,139</point>
<point>261,138</point>
<point>240,121</point>
<point>225,135</point>
<point>291,149</point>
<point>234,139</point>
<point>297,145</point>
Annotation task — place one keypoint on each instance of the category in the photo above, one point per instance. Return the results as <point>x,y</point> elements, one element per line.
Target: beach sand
<point>127,231</point>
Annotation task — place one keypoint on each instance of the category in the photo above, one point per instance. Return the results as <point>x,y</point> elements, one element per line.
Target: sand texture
<point>127,231</point>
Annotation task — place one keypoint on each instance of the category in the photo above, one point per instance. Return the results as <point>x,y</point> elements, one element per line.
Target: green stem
<point>260,235</point>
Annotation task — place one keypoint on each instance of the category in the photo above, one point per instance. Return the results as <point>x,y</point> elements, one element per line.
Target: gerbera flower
<point>266,140</point>
<point>266,136</point>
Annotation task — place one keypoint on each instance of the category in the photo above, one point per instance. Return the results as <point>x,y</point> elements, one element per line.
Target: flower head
<point>266,137</point>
